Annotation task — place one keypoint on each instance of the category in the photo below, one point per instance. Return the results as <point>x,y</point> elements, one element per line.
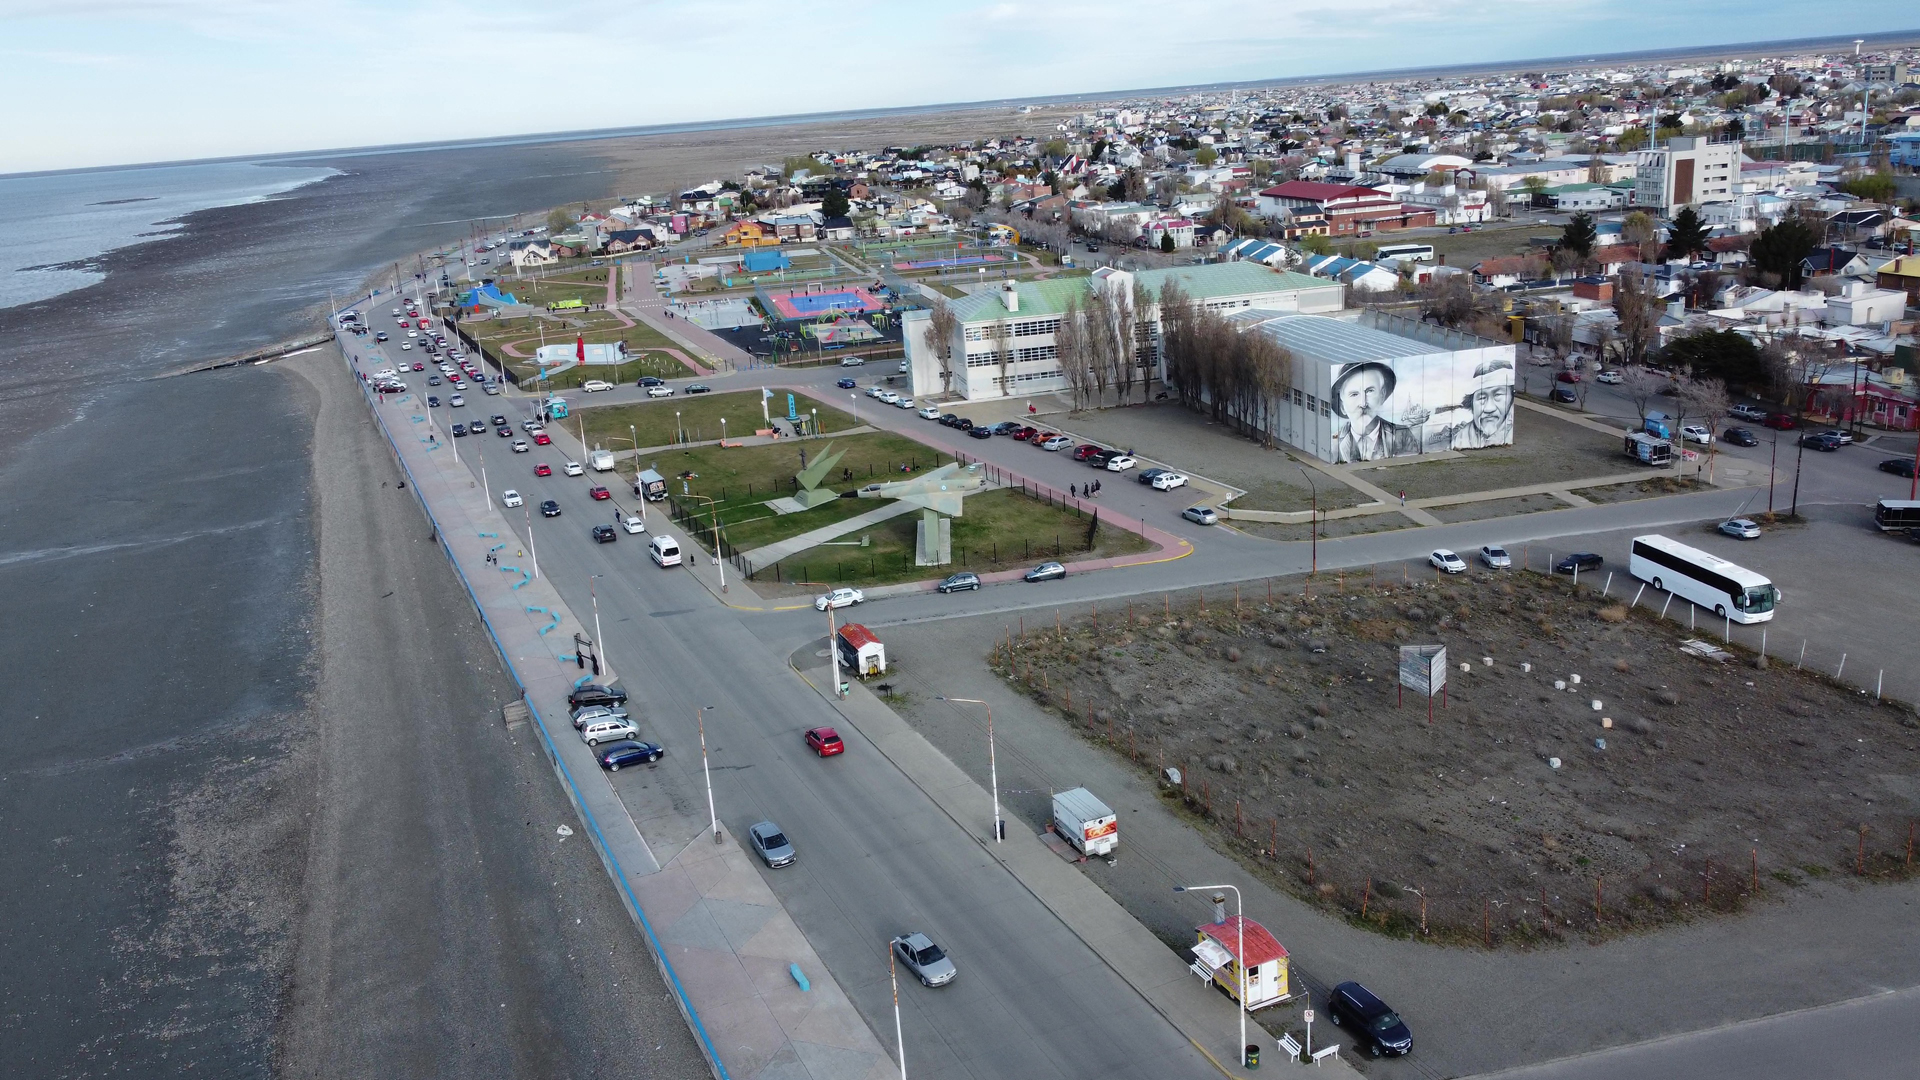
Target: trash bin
<point>1253,1055</point>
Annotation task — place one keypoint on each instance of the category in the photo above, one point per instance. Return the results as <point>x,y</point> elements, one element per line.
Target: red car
<point>1039,437</point>
<point>542,439</point>
<point>1025,433</point>
<point>600,494</point>
<point>1085,451</point>
<point>1781,422</point>
<point>418,366</point>
<point>1568,376</point>
<point>423,324</point>
<point>825,741</point>
<point>543,470</point>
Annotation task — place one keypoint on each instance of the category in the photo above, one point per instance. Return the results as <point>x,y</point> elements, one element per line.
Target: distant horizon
<point>1873,41</point>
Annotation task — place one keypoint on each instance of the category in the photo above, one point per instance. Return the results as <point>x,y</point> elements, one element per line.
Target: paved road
<point>877,859</point>
<point>446,929</point>
<point>1830,1043</point>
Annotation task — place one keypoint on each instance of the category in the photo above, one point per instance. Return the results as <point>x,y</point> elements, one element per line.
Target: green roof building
<point>1004,344</point>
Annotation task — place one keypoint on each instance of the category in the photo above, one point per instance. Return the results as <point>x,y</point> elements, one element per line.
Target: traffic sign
<point>1308,1016</point>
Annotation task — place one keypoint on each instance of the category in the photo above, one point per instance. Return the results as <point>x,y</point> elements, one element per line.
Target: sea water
<point>55,224</point>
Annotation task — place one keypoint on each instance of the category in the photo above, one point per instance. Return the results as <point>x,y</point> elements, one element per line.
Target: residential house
<point>838,227</point>
<point>1834,262</point>
<point>1180,229</point>
<point>1861,304</point>
<point>1264,252</point>
<point>747,234</point>
<point>1354,273</point>
<point>535,252</point>
<point>1903,274</point>
<point>621,241</point>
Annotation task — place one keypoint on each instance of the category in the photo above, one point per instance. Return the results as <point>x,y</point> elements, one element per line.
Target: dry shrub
<point>1613,613</point>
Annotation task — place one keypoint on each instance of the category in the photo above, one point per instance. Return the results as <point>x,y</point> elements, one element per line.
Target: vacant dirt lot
<point>1716,782</point>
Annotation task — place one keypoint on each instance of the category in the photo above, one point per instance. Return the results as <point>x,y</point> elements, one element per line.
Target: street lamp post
<point>678,434</point>
<point>1315,517</point>
<point>532,552</point>
<point>899,1040</point>
<point>1239,960</point>
<point>599,650</point>
<point>700,717</point>
<point>993,767</point>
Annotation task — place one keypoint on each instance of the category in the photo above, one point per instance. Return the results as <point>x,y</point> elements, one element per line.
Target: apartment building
<point>1687,171</point>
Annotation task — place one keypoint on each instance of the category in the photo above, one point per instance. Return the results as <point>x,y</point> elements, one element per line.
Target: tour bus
<point>1392,253</point>
<point>1710,581</point>
<point>1893,515</point>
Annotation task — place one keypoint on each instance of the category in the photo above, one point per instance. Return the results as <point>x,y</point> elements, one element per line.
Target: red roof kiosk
<point>1215,959</point>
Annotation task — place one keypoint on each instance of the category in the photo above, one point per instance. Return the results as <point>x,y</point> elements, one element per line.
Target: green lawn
<point>596,327</point>
<point>657,364</point>
<point>654,422</point>
<point>1000,530</point>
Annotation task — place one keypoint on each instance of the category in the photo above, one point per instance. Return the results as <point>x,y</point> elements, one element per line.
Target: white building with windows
<point>1003,343</point>
<point>1688,171</point>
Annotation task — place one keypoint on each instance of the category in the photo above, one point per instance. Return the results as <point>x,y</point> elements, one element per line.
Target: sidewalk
<point>1195,1009</point>
<point>641,300</point>
<point>725,946</point>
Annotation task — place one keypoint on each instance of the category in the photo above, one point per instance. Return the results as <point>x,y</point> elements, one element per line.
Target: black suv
<point>1579,560</point>
<point>550,508</point>
<point>594,694</point>
<point>1377,1027</point>
<point>604,534</point>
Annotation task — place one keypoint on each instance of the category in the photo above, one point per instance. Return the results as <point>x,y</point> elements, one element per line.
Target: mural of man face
<point>1491,407</point>
<point>1362,395</point>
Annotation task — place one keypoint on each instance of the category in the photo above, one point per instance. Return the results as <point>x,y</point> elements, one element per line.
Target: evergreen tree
<point>1579,235</point>
<point>834,203</point>
<point>1779,250</point>
<point>1166,242</point>
<point>1687,235</point>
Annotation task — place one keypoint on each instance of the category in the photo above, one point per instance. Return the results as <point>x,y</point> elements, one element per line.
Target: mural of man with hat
<point>1360,395</point>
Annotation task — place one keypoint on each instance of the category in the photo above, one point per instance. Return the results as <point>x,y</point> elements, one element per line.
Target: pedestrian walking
<point>1073,491</point>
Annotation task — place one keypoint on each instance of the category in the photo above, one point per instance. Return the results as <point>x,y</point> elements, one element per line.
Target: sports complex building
<point>1019,318</point>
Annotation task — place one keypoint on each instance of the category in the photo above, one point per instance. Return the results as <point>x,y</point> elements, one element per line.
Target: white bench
<point>1326,1053</point>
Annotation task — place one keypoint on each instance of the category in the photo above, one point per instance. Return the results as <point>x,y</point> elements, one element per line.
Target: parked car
<point>1898,466</point>
<point>1780,422</point>
<point>1739,436</point>
<point>1748,412</point>
<point>511,497</point>
<point>1567,377</point>
<point>825,741</point>
<point>594,386</point>
<point>924,960</point>
<point>771,844</point>
<point>629,752</point>
<point>1145,476</point>
<point>963,424</point>
<point>587,714</point>
<point>1056,443</point>
<point>1579,560</point>
<point>979,433</point>
<point>1695,433</point>
<point>1821,441</point>
<point>549,508</point>
<point>1495,557</point>
<point>1085,451</point>
<point>930,413</point>
<point>1565,395</point>
<point>699,388</point>
<point>1742,528</point>
<point>606,731</point>
<point>852,361</point>
<point>1447,562</point>
<point>903,403</point>
<point>659,391</point>
<point>965,580</point>
<point>1120,463</point>
<point>1845,437</point>
<point>1047,571</point>
<point>604,534</point>
<point>1375,1026</point>
<point>948,419</point>
<point>1609,377</point>
<point>1201,515</point>
<point>839,598</point>
<point>1167,481</point>
<point>595,694</point>
<point>651,380</point>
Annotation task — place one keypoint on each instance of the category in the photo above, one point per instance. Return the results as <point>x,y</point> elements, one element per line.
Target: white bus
<point>1893,515</point>
<point>1710,581</point>
<point>1392,253</point>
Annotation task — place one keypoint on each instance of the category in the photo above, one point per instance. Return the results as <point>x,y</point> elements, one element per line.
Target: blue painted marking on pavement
<point>799,977</point>
<point>494,535</point>
<point>581,681</point>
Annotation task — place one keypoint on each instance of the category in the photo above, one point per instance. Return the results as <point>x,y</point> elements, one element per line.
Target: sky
<point>103,82</point>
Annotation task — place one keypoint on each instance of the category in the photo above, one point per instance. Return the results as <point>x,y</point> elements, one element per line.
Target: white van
<point>664,551</point>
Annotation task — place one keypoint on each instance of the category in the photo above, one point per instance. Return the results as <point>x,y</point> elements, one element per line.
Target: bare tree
<point>1639,312</point>
<point>1643,232</point>
<point>942,323</point>
<point>1070,344</point>
<point>1554,334</point>
<point>1001,334</point>
<point>1099,344</point>
<point>1707,399</point>
<point>1641,387</point>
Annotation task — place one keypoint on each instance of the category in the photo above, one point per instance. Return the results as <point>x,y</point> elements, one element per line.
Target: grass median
<point>656,364</point>
<point>1001,529</point>
<point>696,418</point>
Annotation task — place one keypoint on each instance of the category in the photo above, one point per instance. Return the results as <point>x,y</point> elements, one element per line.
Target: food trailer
<point>861,652</point>
<point>1217,959</point>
